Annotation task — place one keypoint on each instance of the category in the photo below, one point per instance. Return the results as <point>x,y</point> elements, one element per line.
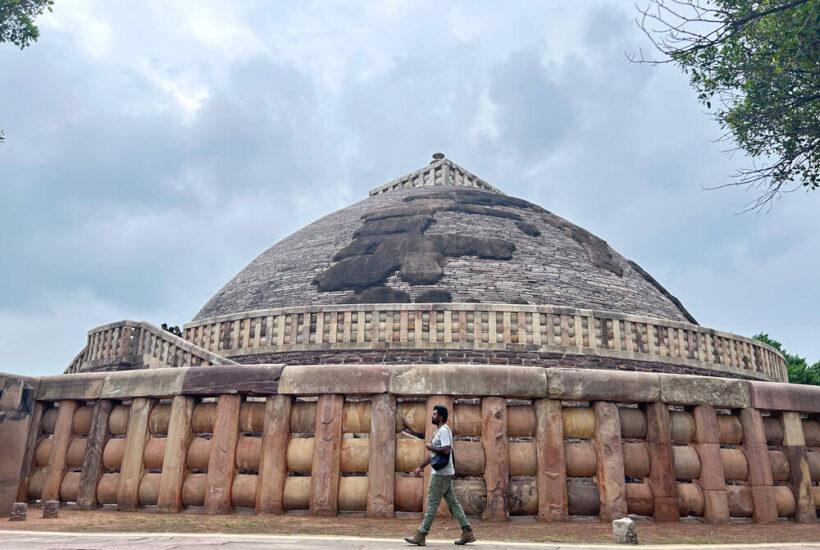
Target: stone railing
<point>439,173</point>
<point>549,443</point>
<point>132,344</point>
<point>489,328</point>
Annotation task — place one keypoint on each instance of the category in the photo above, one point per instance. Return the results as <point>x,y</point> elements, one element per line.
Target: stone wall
<point>334,438</point>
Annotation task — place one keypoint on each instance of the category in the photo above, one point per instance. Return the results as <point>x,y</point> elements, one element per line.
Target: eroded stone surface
<point>51,509</point>
<point>431,227</point>
<point>396,240</point>
<point>624,531</point>
<point>19,511</point>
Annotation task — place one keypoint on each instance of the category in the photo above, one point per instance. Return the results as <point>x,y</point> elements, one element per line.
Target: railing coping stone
<point>435,379</point>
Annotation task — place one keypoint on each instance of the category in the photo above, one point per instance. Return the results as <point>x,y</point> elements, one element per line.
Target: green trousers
<point>442,486</point>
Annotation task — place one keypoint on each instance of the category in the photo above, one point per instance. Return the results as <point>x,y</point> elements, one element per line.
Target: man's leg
<point>454,504</point>
<point>438,486</point>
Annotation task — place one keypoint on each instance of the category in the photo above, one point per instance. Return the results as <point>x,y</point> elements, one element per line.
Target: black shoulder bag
<point>439,461</point>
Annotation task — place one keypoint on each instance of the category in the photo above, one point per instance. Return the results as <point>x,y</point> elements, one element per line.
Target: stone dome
<point>437,235</point>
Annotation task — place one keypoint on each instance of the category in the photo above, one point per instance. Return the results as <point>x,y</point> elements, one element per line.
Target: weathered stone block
<point>765,505</point>
<point>465,380</point>
<point>143,383</point>
<point>715,506</point>
<point>341,379</point>
<point>706,425</point>
<point>73,386</point>
<point>711,467</point>
<point>759,469</point>
<point>551,471</point>
<point>666,509</point>
<point>496,468</point>
<point>610,470</point>
<point>222,460</point>
<point>381,469</point>
<point>624,531</point>
<point>704,390</point>
<point>602,385</point>
<point>776,396</point>
<point>326,455</point>
<point>51,509</point>
<point>793,430</point>
<point>753,429</point>
<point>273,468</point>
<point>19,511</point>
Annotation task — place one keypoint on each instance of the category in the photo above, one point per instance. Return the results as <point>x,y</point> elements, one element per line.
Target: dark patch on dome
<point>463,245</point>
<point>394,240</point>
<point>596,248</point>
<point>409,224</point>
<point>466,201</point>
<point>434,297</point>
<point>651,280</point>
<point>528,229</point>
<point>519,301</point>
<point>379,295</point>
<point>477,198</point>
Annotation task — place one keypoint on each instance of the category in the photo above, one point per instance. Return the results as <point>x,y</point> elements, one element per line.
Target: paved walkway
<point>35,540</point>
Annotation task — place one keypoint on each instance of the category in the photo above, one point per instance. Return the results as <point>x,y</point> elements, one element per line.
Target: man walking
<point>441,481</point>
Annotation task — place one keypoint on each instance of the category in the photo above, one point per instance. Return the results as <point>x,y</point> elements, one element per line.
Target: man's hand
<point>417,472</point>
<point>429,447</point>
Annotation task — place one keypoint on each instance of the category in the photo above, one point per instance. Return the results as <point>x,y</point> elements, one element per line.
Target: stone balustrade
<point>551,443</point>
<point>528,330</point>
<point>438,173</point>
<point>132,344</point>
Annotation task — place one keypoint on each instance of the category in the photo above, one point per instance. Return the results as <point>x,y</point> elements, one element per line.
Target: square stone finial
<point>19,511</point>
<point>50,509</point>
<point>624,531</point>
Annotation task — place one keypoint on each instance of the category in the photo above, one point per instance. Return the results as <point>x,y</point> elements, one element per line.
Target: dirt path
<point>523,530</point>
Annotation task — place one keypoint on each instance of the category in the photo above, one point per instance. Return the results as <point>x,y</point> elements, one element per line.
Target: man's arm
<point>417,472</point>
<point>443,450</point>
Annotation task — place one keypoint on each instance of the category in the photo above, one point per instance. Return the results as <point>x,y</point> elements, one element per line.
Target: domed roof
<point>441,234</point>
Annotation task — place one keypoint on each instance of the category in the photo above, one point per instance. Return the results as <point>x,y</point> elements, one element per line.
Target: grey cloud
<point>535,112</point>
<point>116,205</point>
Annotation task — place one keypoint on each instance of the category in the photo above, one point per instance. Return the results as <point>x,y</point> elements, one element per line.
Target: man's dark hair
<point>442,411</point>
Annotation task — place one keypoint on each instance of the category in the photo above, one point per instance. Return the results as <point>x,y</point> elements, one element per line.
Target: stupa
<point>578,385</point>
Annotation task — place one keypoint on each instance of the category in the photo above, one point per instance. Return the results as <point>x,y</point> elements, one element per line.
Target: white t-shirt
<point>444,438</point>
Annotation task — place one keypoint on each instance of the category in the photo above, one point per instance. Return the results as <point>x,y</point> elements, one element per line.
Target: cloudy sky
<point>154,148</point>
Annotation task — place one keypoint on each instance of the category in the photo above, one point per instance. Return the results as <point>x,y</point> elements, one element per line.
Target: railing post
<point>327,447</point>
<point>760,471</point>
<point>63,433</point>
<point>273,466</point>
<point>174,462</point>
<point>132,466</point>
<point>381,467</point>
<point>610,470</point>
<point>496,457</point>
<point>800,477</point>
<point>711,480</point>
<point>551,462</point>
<point>92,460</point>
<point>222,460</point>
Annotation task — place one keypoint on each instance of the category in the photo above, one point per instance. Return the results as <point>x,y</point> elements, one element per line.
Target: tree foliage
<point>800,372</point>
<point>17,24</point>
<point>17,20</point>
<point>756,67</point>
